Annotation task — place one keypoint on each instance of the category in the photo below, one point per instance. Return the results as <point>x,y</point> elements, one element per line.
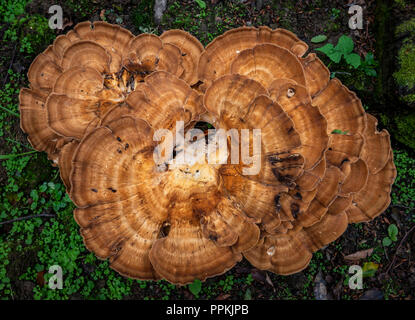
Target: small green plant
<point>344,48</point>
<point>392,235</point>
<point>195,287</point>
<point>227,283</point>
<point>335,13</point>
<point>369,64</point>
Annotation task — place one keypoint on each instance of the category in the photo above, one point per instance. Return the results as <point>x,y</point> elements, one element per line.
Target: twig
<point>11,112</point>
<point>397,249</point>
<point>10,156</point>
<point>402,206</point>
<point>29,217</point>
<point>21,144</point>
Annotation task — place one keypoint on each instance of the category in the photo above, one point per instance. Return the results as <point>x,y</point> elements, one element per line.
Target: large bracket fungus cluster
<point>98,95</point>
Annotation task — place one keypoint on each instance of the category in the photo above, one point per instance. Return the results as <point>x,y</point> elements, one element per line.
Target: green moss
<point>410,98</point>
<point>401,3</point>
<point>407,26</point>
<point>405,76</point>
<point>405,129</point>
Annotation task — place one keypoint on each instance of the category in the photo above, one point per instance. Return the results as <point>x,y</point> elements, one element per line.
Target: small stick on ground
<point>29,217</point>
<point>397,249</point>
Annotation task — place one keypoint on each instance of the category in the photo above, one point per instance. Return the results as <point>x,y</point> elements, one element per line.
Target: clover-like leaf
<point>195,287</point>
<point>393,232</point>
<point>386,242</point>
<point>327,49</point>
<point>353,59</point>
<point>319,38</point>
<point>345,45</point>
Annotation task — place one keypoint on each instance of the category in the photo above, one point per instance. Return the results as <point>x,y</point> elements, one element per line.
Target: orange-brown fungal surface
<point>308,160</point>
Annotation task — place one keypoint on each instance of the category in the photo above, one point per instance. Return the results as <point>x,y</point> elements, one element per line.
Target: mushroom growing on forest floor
<point>99,98</point>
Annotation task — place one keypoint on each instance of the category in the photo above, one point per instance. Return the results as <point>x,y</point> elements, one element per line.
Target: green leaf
<point>201,4</point>
<point>370,59</point>
<point>319,38</point>
<point>195,287</point>
<point>386,242</point>
<point>335,56</point>
<point>345,45</point>
<point>353,59</point>
<point>393,232</point>
<point>327,48</point>
<point>371,72</point>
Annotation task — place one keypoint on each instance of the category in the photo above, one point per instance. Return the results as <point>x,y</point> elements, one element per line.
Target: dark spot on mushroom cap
<point>345,160</point>
<point>94,190</point>
<point>295,209</point>
<point>119,139</point>
<point>277,202</point>
<point>164,230</point>
<point>298,196</point>
<point>112,190</point>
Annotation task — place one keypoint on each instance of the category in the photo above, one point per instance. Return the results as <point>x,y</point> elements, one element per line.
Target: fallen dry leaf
<point>363,254</point>
<point>269,281</point>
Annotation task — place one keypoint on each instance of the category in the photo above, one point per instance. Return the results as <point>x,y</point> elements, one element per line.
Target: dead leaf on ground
<point>363,254</point>
<point>269,281</point>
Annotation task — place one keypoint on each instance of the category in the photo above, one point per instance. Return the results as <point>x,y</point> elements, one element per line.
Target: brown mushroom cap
<point>43,72</point>
<point>65,162</point>
<point>196,229</point>
<point>65,71</point>
<point>267,62</point>
<point>33,121</point>
<point>283,253</point>
<point>218,56</point>
<point>147,53</point>
<point>98,95</point>
<point>112,37</point>
<point>190,48</point>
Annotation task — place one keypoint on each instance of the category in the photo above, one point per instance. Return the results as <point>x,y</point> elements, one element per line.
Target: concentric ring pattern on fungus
<point>99,94</point>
